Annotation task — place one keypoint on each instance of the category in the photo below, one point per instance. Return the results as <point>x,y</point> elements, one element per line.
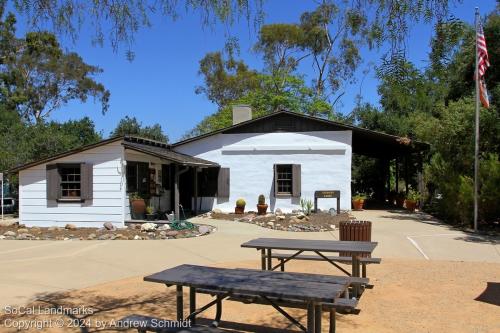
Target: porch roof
<point>163,151</point>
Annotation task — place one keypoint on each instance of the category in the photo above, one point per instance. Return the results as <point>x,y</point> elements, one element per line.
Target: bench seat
<point>153,324</point>
<point>332,258</point>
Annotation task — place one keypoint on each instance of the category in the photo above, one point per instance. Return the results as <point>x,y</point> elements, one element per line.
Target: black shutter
<point>53,182</point>
<point>87,181</point>
<point>296,181</point>
<point>223,183</point>
<point>165,176</point>
<point>143,179</point>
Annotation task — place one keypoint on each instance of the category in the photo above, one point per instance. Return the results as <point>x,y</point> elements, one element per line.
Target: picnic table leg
<point>310,317</point>
<point>318,311</point>
<point>355,273</point>
<point>218,312</point>
<point>180,304</point>
<point>282,266</point>
<point>332,320</point>
<point>269,260</point>
<point>192,303</point>
<point>363,273</point>
<point>263,259</point>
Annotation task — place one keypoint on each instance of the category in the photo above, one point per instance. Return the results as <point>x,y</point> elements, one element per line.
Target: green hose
<point>182,225</point>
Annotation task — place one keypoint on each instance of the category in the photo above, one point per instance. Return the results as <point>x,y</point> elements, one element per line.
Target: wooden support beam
<point>407,183</point>
<point>397,175</point>
<point>176,193</point>
<point>195,191</point>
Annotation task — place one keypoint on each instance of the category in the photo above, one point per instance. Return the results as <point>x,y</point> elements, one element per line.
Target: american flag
<point>482,64</point>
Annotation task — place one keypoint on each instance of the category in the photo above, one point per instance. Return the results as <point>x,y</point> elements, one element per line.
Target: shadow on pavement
<point>491,294</point>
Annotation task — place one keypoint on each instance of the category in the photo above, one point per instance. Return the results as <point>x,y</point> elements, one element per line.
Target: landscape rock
<point>301,215</point>
<point>70,226</point>
<point>271,224</point>
<point>280,217</point>
<point>172,233</point>
<point>104,237</point>
<point>203,230</point>
<point>217,211</point>
<point>2,237</point>
<point>148,227</point>
<point>271,215</point>
<point>121,237</point>
<point>91,236</point>
<point>163,233</point>
<point>332,211</point>
<point>7,223</point>
<point>25,236</point>
<point>22,231</point>
<point>333,226</point>
<point>53,228</point>
<point>164,227</point>
<point>9,234</point>
<point>109,226</point>
<point>137,237</point>
<point>278,211</point>
<point>295,219</point>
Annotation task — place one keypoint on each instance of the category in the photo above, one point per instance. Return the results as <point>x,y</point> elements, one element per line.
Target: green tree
<point>132,126</point>
<point>38,77</point>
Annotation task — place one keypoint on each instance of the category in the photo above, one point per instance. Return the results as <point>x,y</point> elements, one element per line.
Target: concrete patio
<point>33,267</point>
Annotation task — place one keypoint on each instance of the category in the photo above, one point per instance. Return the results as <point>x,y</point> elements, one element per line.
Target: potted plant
<point>150,215</point>
<point>261,205</point>
<point>358,201</point>
<point>138,206</point>
<point>412,199</point>
<point>240,206</point>
<point>400,199</point>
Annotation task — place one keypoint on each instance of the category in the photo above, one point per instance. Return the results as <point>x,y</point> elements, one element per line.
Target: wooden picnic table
<point>315,291</point>
<point>319,247</point>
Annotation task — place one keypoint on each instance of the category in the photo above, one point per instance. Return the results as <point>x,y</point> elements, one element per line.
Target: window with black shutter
<point>287,180</point>
<point>69,181</point>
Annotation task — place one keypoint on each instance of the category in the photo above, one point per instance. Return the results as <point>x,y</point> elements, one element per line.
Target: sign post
<point>327,194</point>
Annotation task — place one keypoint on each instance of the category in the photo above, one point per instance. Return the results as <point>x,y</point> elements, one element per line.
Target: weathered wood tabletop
<point>311,245</point>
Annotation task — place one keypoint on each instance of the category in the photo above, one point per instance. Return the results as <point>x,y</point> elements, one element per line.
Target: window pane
<point>284,178</point>
<point>70,181</point>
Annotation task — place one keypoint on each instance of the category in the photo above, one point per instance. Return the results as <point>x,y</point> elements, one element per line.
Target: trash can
<point>355,231</point>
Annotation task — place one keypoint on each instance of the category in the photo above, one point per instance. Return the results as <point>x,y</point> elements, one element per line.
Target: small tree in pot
<point>412,199</point>
<point>261,205</point>
<point>358,201</point>
<point>240,206</point>
<point>138,206</point>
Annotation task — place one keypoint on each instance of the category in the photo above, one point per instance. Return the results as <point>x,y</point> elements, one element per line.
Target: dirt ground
<point>408,296</point>
<point>315,222</point>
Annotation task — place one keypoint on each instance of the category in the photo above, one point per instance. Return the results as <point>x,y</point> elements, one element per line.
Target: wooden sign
<point>324,195</point>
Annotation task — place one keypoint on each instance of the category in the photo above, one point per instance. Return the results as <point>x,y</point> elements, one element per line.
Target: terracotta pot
<point>262,209</point>
<point>358,204</point>
<point>410,205</point>
<point>138,206</point>
<point>239,210</point>
<point>400,201</point>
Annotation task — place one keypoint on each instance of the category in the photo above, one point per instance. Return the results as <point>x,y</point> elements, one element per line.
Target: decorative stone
<point>271,224</point>
<point>332,211</point>
<point>217,211</point>
<point>2,237</point>
<point>7,223</point>
<point>278,211</point>
<point>91,236</point>
<point>52,228</point>
<point>301,215</point>
<point>333,226</point>
<point>137,237</point>
<point>108,226</point>
<point>121,237</point>
<point>70,226</point>
<point>203,230</point>
<point>22,236</point>
<point>148,227</point>
<point>294,219</point>
<point>164,227</point>
<point>66,238</point>
<point>9,234</point>
<point>104,237</point>
<point>271,215</point>
<point>22,231</point>
<point>163,233</point>
<point>172,233</point>
<point>280,217</point>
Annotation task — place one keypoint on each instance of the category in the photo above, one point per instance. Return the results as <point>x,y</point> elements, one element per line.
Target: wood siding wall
<point>107,198</point>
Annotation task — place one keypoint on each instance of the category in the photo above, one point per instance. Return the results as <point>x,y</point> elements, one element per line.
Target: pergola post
<point>397,174</point>
<point>420,177</point>
<point>388,174</point>
<point>195,191</point>
<point>176,193</point>
<point>406,174</point>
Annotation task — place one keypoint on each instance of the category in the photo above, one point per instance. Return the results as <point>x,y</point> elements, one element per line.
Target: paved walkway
<point>28,268</point>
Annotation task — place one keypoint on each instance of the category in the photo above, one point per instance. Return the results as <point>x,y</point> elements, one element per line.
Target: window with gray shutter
<point>287,180</point>
<point>223,183</point>
<point>53,182</point>
<point>87,179</point>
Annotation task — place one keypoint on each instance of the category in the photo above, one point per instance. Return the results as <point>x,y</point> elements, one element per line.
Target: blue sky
<point>158,85</point>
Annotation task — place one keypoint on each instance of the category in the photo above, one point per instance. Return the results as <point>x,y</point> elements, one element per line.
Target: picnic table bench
<point>318,247</point>
<point>316,293</point>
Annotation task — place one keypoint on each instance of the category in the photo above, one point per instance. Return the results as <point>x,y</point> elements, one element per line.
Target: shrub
<point>413,195</point>
<point>360,196</point>
<point>306,205</point>
<point>240,202</point>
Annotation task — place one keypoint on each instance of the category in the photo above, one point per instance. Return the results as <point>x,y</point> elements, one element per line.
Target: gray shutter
<point>275,180</point>
<point>53,182</point>
<point>223,183</point>
<point>296,181</point>
<point>87,181</point>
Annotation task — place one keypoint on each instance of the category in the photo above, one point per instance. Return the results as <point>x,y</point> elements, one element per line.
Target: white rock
<point>278,211</point>
<point>217,211</point>
<point>280,217</point>
<point>300,215</point>
<point>2,237</point>
<point>164,227</point>
<point>147,227</point>
<point>333,226</point>
<point>7,223</point>
<point>9,233</point>
<point>271,224</point>
<point>203,229</point>
<point>137,237</point>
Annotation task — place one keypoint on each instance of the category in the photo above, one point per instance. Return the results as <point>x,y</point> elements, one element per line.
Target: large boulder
<point>301,215</point>
<point>108,226</point>
<point>9,234</point>
<point>70,226</point>
<point>7,223</point>
<point>203,229</point>
<point>172,233</point>
<point>22,231</point>
<point>148,227</point>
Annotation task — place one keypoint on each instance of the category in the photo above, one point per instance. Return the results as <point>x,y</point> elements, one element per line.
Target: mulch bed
<point>321,221</point>
<point>20,232</point>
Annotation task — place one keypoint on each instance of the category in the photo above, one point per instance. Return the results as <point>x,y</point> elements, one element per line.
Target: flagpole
<point>476,144</point>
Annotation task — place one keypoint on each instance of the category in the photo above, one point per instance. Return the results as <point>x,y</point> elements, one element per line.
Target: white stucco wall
<point>108,196</point>
<point>324,156</point>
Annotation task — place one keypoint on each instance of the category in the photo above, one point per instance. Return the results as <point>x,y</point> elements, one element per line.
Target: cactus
<point>262,199</point>
<point>240,202</point>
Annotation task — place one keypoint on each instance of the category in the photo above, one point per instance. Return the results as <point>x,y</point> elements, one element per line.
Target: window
<point>284,179</point>
<point>138,178</point>
<point>70,181</point>
<point>287,180</point>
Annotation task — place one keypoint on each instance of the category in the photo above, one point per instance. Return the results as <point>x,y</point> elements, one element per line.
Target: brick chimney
<point>241,113</point>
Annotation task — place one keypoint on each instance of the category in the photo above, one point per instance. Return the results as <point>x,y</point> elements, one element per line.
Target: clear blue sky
<point>158,86</point>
